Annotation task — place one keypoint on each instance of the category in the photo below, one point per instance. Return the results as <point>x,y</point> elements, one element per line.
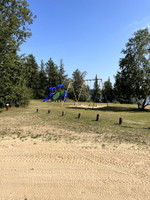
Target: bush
<point>15,96</point>
<point>117,102</point>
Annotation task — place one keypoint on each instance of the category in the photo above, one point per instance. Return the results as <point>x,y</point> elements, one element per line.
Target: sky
<point>88,35</point>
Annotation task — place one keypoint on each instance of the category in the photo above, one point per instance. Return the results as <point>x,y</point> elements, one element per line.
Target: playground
<point>59,95</point>
<point>47,155</point>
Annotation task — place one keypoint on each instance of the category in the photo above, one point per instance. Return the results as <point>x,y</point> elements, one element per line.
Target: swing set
<point>85,84</point>
<point>100,84</point>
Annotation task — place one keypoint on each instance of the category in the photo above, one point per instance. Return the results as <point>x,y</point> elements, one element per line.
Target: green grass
<point>135,127</point>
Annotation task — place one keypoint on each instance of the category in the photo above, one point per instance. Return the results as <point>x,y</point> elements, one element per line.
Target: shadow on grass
<point>123,126</point>
<point>127,127</point>
<point>110,109</point>
<point>122,109</point>
<point>130,127</point>
<point>147,128</point>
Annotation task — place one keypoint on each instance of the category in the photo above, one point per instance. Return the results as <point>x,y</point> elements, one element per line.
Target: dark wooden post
<point>63,113</point>
<point>79,115</point>
<point>120,120</point>
<point>49,111</point>
<point>97,117</point>
<point>37,110</point>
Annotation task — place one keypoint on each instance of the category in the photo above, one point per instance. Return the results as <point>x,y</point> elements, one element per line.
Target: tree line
<point>21,78</point>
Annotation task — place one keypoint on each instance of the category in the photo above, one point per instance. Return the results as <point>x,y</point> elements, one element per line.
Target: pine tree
<point>32,75</point>
<point>43,82</point>
<point>13,88</point>
<point>61,73</point>
<point>52,73</point>
<point>96,91</point>
<point>108,91</point>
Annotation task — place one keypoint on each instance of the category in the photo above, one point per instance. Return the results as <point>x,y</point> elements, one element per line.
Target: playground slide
<point>59,94</point>
<point>47,98</point>
<point>56,96</point>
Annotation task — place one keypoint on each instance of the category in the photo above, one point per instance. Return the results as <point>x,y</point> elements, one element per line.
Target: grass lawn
<point>26,123</point>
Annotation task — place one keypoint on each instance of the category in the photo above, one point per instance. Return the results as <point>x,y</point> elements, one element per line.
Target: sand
<point>39,170</point>
<point>89,106</point>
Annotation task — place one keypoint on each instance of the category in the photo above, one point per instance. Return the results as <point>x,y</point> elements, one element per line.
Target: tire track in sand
<point>68,171</point>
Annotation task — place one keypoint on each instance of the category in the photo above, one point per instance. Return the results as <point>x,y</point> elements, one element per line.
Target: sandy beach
<point>52,171</point>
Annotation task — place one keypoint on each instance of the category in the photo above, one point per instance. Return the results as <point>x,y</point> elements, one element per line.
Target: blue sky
<point>86,34</point>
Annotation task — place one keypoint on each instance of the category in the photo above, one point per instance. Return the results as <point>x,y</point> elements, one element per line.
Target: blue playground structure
<point>59,95</point>
<point>50,94</point>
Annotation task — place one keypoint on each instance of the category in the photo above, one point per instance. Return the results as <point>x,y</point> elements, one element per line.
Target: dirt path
<point>60,171</point>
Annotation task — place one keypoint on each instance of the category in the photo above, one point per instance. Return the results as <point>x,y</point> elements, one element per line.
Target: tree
<point>14,18</point>
<point>32,75</point>
<point>133,79</point>
<point>108,90</point>
<point>122,89</point>
<point>52,73</point>
<point>96,91</point>
<point>43,82</point>
<point>80,89</point>
<point>61,73</point>
<point>13,88</point>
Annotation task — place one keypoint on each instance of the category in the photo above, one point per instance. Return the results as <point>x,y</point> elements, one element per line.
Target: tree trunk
<point>142,106</point>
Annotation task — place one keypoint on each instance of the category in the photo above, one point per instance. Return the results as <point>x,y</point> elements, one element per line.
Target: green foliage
<point>52,73</point>
<point>32,75</point>
<point>108,91</point>
<point>133,80</point>
<point>61,74</point>
<point>79,86</point>
<point>14,18</point>
<point>18,96</point>
<point>13,88</point>
<point>40,80</point>
<point>42,83</point>
<point>96,91</point>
